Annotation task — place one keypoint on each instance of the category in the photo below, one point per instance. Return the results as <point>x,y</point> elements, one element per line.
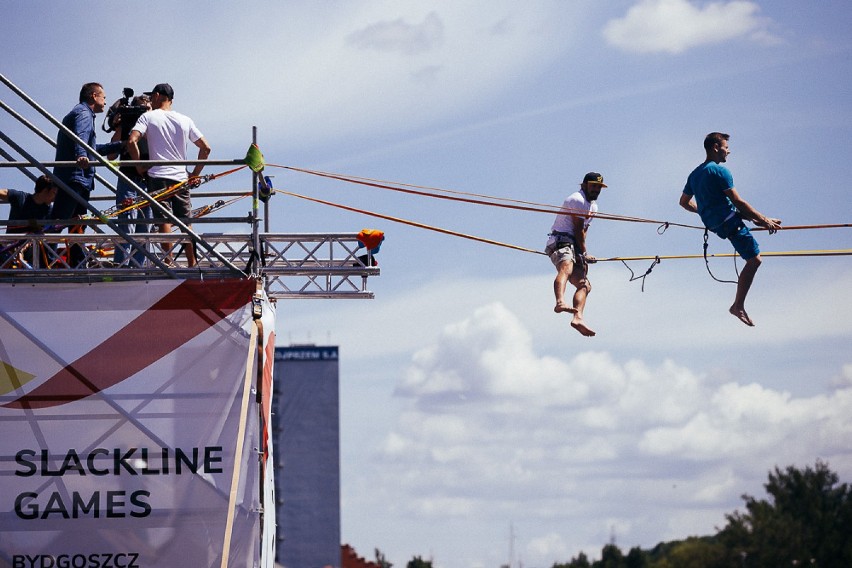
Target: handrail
<point>47,139</point>
<point>88,205</point>
<point>121,163</point>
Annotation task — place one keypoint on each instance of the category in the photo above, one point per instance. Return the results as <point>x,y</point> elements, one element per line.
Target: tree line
<point>805,521</point>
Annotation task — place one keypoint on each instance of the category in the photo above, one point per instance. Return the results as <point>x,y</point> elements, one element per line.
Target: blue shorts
<point>741,238</point>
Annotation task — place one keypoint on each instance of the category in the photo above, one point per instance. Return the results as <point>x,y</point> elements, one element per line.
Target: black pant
<point>65,208</point>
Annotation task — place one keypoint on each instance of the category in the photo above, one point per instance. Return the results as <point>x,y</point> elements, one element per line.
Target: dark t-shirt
<point>24,208</point>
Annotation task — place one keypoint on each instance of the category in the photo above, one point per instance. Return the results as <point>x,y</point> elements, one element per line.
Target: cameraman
<point>122,118</point>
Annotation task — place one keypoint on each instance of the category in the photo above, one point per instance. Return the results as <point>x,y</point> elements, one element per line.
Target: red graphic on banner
<point>185,312</point>
<point>266,394</point>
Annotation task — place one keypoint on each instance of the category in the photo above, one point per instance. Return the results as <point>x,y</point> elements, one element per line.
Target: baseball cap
<point>594,177</point>
<point>164,89</point>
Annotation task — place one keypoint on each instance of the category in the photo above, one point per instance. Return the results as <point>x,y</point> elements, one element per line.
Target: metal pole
<point>255,196</point>
<point>240,162</point>
<point>23,169</point>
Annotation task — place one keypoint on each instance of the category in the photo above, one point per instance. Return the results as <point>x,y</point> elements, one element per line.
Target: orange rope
<point>801,227</point>
<point>524,205</point>
<point>841,252</point>
<point>407,222</point>
<point>538,207</point>
<point>837,252</point>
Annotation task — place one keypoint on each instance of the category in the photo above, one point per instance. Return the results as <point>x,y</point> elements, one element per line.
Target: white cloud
<point>673,26</point>
<point>491,428</point>
<point>399,35</point>
<point>372,68</point>
<point>504,372</point>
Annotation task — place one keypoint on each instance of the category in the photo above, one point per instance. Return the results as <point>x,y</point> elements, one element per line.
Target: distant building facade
<point>306,426</point>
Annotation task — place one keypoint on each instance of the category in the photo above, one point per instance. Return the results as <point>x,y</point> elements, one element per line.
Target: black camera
<point>125,112</point>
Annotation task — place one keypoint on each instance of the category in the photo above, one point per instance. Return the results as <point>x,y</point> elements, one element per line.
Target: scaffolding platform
<point>292,266</point>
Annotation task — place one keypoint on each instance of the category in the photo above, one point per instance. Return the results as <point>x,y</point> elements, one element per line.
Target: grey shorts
<point>560,252</point>
<point>179,203</point>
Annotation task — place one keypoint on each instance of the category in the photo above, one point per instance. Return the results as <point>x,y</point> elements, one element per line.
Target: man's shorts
<point>179,203</point>
<point>560,252</point>
<point>741,238</point>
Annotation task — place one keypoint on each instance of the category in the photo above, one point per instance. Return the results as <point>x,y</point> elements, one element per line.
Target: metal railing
<point>326,265</point>
<point>292,266</point>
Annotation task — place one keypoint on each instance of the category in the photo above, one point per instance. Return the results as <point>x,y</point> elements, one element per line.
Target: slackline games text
<point>102,462</point>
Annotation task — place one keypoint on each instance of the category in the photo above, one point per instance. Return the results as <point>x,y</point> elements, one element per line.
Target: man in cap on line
<point>566,247</point>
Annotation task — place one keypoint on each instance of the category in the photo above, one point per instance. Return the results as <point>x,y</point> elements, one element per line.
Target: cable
<point>407,222</point>
<point>537,207</point>
<point>657,258</point>
<point>789,253</point>
<point>642,277</point>
<point>524,205</point>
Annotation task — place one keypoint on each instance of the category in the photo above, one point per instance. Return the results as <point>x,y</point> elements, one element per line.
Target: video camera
<point>124,113</point>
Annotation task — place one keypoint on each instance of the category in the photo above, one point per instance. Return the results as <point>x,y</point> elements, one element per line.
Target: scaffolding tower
<point>290,265</point>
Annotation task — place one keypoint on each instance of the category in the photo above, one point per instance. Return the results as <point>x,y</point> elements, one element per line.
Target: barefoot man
<point>710,192</point>
<point>566,248</point>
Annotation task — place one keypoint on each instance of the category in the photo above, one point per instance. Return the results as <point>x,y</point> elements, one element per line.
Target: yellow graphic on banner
<point>12,378</point>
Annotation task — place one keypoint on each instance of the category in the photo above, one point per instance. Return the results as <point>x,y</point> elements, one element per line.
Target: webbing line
<point>538,207</point>
<point>839,252</point>
<point>535,207</point>
<point>411,223</point>
<point>790,253</point>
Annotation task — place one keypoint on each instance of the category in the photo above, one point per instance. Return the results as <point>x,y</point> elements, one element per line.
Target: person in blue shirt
<point>28,207</point>
<point>710,192</point>
<point>80,177</point>
<point>24,210</point>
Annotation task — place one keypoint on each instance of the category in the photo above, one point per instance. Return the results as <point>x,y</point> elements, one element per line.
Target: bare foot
<point>741,315</point>
<point>561,307</point>
<point>580,326</point>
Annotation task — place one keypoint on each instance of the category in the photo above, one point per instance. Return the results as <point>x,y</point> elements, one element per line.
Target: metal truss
<point>292,266</point>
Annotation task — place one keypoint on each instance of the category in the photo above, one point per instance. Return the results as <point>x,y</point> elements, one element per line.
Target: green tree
<point>580,561</point>
<point>807,521</point>
<point>636,558</point>
<point>418,562</point>
<point>695,552</point>
<point>611,557</point>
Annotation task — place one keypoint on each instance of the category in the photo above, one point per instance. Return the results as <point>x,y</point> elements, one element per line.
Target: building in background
<point>306,426</point>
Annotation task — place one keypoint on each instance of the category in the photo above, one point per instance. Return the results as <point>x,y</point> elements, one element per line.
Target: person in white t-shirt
<point>566,248</point>
<point>168,134</point>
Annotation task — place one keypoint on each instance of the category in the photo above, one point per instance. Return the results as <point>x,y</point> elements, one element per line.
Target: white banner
<point>120,411</point>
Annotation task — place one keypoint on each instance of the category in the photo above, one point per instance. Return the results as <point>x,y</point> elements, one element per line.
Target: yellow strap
<point>238,451</point>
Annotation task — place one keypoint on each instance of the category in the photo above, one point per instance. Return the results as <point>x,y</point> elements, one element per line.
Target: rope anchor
<point>647,272</point>
<point>707,263</point>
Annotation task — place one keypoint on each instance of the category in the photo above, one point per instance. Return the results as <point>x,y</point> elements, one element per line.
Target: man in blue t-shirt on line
<point>710,192</point>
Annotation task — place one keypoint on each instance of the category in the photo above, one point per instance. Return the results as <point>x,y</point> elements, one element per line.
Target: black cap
<point>594,177</point>
<point>164,89</point>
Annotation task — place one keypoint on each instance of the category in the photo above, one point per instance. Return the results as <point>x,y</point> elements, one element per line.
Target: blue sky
<point>467,404</point>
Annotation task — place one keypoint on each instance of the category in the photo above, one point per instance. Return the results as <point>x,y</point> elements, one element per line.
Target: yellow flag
<point>254,159</point>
